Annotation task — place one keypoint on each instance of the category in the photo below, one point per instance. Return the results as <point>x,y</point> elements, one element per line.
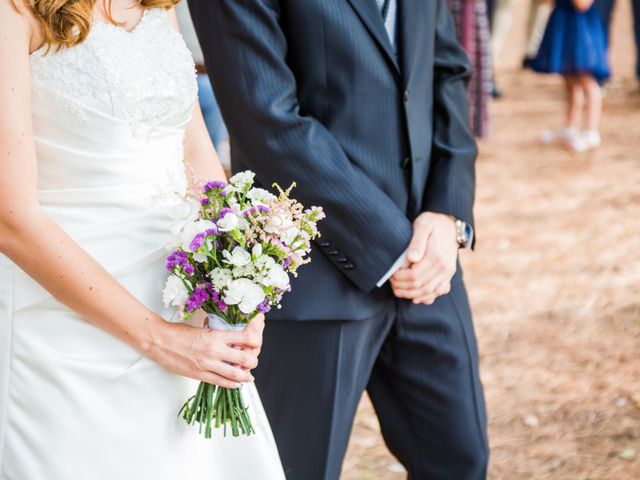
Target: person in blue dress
<point>575,46</point>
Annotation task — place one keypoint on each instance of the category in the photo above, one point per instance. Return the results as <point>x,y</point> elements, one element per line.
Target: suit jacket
<point>312,92</point>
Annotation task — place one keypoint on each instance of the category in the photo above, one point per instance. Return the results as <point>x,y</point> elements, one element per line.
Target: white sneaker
<point>592,138</point>
<point>586,140</point>
<point>558,135</point>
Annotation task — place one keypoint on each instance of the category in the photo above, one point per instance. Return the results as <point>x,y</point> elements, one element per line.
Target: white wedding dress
<point>75,403</point>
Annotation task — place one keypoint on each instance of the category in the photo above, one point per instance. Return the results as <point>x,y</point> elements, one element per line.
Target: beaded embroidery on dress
<point>144,76</point>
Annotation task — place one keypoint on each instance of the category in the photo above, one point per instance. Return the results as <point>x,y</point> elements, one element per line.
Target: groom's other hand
<point>431,260</point>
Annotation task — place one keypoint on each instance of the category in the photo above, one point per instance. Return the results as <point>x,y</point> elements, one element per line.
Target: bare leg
<point>575,102</point>
<point>594,102</point>
<point>574,99</point>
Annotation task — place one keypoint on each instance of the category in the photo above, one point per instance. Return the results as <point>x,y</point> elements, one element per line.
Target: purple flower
<point>263,209</point>
<point>197,242</point>
<point>222,306</point>
<point>215,296</point>
<point>188,269</point>
<point>216,185</point>
<point>176,258</point>
<point>264,307</point>
<point>224,212</point>
<point>204,202</point>
<point>197,299</point>
<point>211,231</point>
<point>287,262</point>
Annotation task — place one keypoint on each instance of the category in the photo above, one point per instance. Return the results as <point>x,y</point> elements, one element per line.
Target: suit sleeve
<point>450,187</point>
<point>245,52</point>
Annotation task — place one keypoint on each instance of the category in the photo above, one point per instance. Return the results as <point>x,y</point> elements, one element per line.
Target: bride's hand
<point>210,356</point>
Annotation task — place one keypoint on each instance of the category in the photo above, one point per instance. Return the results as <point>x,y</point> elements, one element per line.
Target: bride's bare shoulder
<point>19,25</point>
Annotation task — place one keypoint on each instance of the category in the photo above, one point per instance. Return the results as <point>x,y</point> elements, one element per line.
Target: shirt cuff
<point>394,268</point>
<point>400,261</point>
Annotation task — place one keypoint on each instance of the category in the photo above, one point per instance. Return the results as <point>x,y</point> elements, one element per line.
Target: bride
<point>98,118</point>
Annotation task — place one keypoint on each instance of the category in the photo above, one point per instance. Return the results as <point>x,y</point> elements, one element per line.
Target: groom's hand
<point>431,260</point>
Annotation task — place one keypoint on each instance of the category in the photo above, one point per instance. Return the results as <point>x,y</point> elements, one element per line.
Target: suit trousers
<point>419,365</point>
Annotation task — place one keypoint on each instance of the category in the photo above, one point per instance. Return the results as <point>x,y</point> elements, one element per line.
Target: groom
<point>363,104</point>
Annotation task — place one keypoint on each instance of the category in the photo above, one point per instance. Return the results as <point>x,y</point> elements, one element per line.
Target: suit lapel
<point>412,28</point>
<point>368,12</point>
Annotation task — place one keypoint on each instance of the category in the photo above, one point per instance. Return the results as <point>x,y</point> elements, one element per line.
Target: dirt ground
<point>554,283</point>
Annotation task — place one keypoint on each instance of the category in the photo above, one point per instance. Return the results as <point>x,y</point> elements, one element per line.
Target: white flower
<point>239,257</point>
<point>191,230</point>
<point>244,293</point>
<point>289,235</point>
<point>174,293</point>
<point>186,211</point>
<point>256,251</point>
<point>264,263</point>
<point>260,196</point>
<point>229,222</point>
<point>242,179</point>
<point>297,245</point>
<point>182,214</point>
<point>277,277</point>
<point>220,278</point>
<point>200,257</point>
<point>247,271</point>
<point>282,225</point>
<point>242,222</point>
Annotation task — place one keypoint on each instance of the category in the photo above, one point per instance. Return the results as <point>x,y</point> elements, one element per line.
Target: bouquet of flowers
<point>233,259</point>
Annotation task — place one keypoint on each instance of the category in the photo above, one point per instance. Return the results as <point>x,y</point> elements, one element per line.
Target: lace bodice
<point>145,76</point>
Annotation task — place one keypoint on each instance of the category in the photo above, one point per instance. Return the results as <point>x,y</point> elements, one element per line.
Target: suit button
<point>406,96</point>
<point>348,266</point>
<point>325,244</point>
<point>341,260</point>
<point>406,162</point>
<point>333,252</point>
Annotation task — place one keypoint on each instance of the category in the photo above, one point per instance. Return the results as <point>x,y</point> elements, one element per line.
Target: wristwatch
<point>463,233</point>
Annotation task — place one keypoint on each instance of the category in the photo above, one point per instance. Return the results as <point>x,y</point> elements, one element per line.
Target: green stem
<point>232,416</point>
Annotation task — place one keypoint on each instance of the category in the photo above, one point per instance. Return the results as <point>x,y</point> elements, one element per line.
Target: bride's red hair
<point>66,23</point>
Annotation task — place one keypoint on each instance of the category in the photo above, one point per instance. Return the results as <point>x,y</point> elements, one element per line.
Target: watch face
<point>463,233</point>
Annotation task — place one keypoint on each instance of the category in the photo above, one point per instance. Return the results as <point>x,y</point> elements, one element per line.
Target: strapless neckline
<point>132,31</point>
<point>145,76</point>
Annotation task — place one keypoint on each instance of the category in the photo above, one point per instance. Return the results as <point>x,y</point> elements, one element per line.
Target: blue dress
<point>574,42</point>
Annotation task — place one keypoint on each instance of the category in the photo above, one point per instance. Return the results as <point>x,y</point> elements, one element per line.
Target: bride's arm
<point>46,253</point>
<point>199,154</point>
<point>200,157</point>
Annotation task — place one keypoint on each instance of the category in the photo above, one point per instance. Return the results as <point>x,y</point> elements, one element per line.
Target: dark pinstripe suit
<point>311,91</point>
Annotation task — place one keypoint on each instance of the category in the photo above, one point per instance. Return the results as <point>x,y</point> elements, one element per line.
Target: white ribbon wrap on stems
<point>219,323</point>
